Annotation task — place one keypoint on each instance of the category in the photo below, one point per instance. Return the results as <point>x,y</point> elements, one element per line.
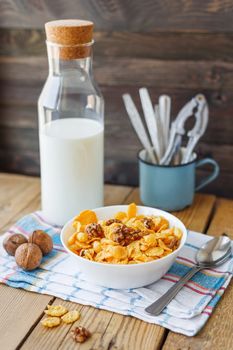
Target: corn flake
<point>82,237</point>
<point>72,239</point>
<point>71,316</point>
<point>121,216</point>
<point>155,251</point>
<point>132,210</point>
<point>86,217</point>
<point>150,239</point>
<point>127,238</point>
<point>55,310</point>
<point>51,322</point>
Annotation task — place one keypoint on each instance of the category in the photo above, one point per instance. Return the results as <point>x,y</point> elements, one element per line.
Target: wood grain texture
<point>45,338</point>
<point>18,110</point>
<point>93,319</point>
<point>172,74</point>
<point>18,195</point>
<point>16,192</point>
<point>113,331</point>
<point>172,15</point>
<point>33,205</point>
<point>126,332</point>
<point>222,220</point>
<point>154,45</point>
<point>113,195</point>
<point>173,47</point>
<point>26,139</point>
<point>19,136</point>
<point>96,321</point>
<point>14,325</point>
<point>116,170</point>
<point>218,332</point>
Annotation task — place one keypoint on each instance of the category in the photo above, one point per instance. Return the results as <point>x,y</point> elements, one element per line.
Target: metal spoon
<point>213,253</point>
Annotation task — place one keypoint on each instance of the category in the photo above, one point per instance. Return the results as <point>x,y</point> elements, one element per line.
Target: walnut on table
<point>80,334</point>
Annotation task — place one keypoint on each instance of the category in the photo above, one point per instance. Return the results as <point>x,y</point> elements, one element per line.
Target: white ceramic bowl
<point>124,276</point>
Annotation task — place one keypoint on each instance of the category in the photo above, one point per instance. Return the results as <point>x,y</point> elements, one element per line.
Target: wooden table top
<point>21,311</point>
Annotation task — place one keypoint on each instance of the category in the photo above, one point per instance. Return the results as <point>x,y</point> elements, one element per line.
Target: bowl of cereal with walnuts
<point>123,246</point>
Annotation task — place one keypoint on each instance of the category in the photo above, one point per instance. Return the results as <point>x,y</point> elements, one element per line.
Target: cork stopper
<point>73,35</point>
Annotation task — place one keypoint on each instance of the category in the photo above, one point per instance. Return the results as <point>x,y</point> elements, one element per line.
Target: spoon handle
<point>157,307</point>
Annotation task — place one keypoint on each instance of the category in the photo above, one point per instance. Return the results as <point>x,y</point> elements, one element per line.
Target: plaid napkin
<point>186,314</point>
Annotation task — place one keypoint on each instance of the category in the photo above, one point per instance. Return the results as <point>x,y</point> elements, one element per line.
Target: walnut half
<point>80,334</point>
<point>148,223</point>
<point>94,230</point>
<point>112,221</point>
<point>125,235</point>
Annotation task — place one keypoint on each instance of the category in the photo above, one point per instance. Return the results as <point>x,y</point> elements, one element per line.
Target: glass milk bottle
<point>71,124</point>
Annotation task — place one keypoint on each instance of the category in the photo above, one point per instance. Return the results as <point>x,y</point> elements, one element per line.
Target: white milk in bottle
<point>71,128</point>
<point>71,167</point>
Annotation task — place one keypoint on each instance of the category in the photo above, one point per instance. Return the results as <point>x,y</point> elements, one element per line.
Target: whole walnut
<point>12,242</point>
<point>112,221</point>
<point>43,240</point>
<point>28,256</point>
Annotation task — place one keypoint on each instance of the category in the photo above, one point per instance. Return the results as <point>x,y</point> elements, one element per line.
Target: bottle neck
<point>63,58</point>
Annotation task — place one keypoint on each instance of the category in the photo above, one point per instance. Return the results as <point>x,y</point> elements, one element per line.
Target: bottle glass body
<point>71,134</point>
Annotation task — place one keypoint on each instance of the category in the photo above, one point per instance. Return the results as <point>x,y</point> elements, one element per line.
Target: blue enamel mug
<point>171,187</point>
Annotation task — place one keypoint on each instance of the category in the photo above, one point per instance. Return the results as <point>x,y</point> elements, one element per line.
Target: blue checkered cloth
<point>186,314</point>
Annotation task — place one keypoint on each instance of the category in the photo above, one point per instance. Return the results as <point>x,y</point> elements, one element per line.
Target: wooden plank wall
<point>174,47</point>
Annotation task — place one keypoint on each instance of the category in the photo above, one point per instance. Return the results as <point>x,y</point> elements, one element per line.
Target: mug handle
<point>212,176</point>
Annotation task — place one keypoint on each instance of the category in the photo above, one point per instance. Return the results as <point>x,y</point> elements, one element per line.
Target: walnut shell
<point>43,240</point>
<point>28,256</point>
<point>12,242</point>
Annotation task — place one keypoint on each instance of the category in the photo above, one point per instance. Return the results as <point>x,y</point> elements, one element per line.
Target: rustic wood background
<point>178,47</point>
